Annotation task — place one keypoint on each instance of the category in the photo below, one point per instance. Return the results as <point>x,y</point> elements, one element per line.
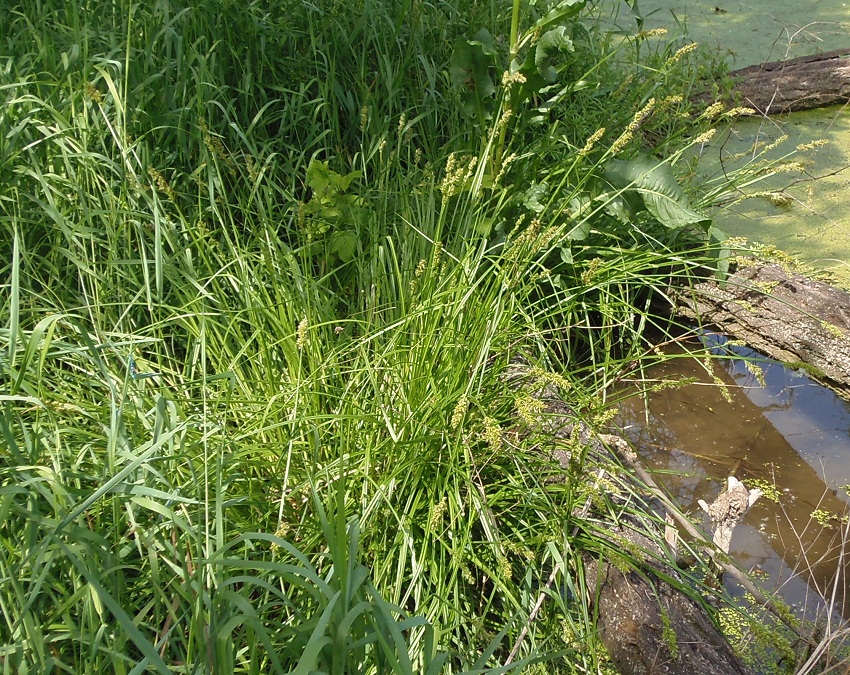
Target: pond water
<point>789,436</point>
<point>753,31</point>
<point>815,226</point>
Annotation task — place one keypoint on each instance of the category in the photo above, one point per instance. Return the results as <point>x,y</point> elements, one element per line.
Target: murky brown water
<point>792,434</point>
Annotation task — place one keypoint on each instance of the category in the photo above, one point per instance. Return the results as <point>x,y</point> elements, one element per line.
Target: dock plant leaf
<point>654,182</point>
<point>471,69</point>
<point>551,44</point>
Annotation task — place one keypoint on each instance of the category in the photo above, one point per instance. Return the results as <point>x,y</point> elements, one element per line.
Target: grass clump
<point>267,269</point>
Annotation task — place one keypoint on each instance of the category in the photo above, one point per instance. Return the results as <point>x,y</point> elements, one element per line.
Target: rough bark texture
<point>648,626</point>
<point>782,314</point>
<point>796,84</point>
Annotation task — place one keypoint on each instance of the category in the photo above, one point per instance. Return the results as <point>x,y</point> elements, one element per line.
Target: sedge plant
<point>267,274</point>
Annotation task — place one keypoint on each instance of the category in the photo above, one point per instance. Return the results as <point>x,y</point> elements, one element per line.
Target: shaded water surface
<point>790,434</point>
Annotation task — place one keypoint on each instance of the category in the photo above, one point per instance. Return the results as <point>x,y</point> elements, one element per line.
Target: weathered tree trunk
<point>650,627</point>
<point>796,84</point>
<point>647,625</point>
<point>781,314</point>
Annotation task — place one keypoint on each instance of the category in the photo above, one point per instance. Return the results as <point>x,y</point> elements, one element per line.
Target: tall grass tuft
<point>266,269</point>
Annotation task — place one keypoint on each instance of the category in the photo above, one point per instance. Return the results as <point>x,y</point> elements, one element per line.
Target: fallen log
<point>648,626</point>
<point>799,321</point>
<point>629,458</point>
<point>796,84</point>
<point>647,623</point>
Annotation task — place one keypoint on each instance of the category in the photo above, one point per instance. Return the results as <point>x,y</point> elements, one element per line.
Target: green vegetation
<point>266,268</point>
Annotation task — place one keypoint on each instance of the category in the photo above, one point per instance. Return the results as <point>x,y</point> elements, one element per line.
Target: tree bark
<point>784,315</point>
<point>796,84</point>
<point>648,625</point>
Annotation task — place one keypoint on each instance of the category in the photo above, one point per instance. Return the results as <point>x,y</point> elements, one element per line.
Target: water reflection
<point>789,433</point>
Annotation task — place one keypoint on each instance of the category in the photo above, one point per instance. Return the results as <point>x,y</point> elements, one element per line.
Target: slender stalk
<point>514,29</point>
<point>498,153</point>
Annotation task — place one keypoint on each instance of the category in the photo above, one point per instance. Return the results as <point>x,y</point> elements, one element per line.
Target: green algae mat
<point>806,207</point>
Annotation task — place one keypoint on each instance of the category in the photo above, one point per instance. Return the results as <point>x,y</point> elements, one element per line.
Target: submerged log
<point>799,321</point>
<point>728,510</point>
<point>796,84</point>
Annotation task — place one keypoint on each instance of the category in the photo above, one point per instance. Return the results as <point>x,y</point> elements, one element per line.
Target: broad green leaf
<point>658,188</point>
<point>344,245</point>
<point>484,226</point>
<point>345,181</point>
<point>617,205</point>
<point>327,211</point>
<point>535,197</point>
<point>540,69</point>
<point>579,213</point>
<point>327,183</point>
<point>484,40</point>
<point>580,230</point>
<point>318,177</point>
<point>470,69</point>
<point>548,47</point>
<point>561,12</point>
